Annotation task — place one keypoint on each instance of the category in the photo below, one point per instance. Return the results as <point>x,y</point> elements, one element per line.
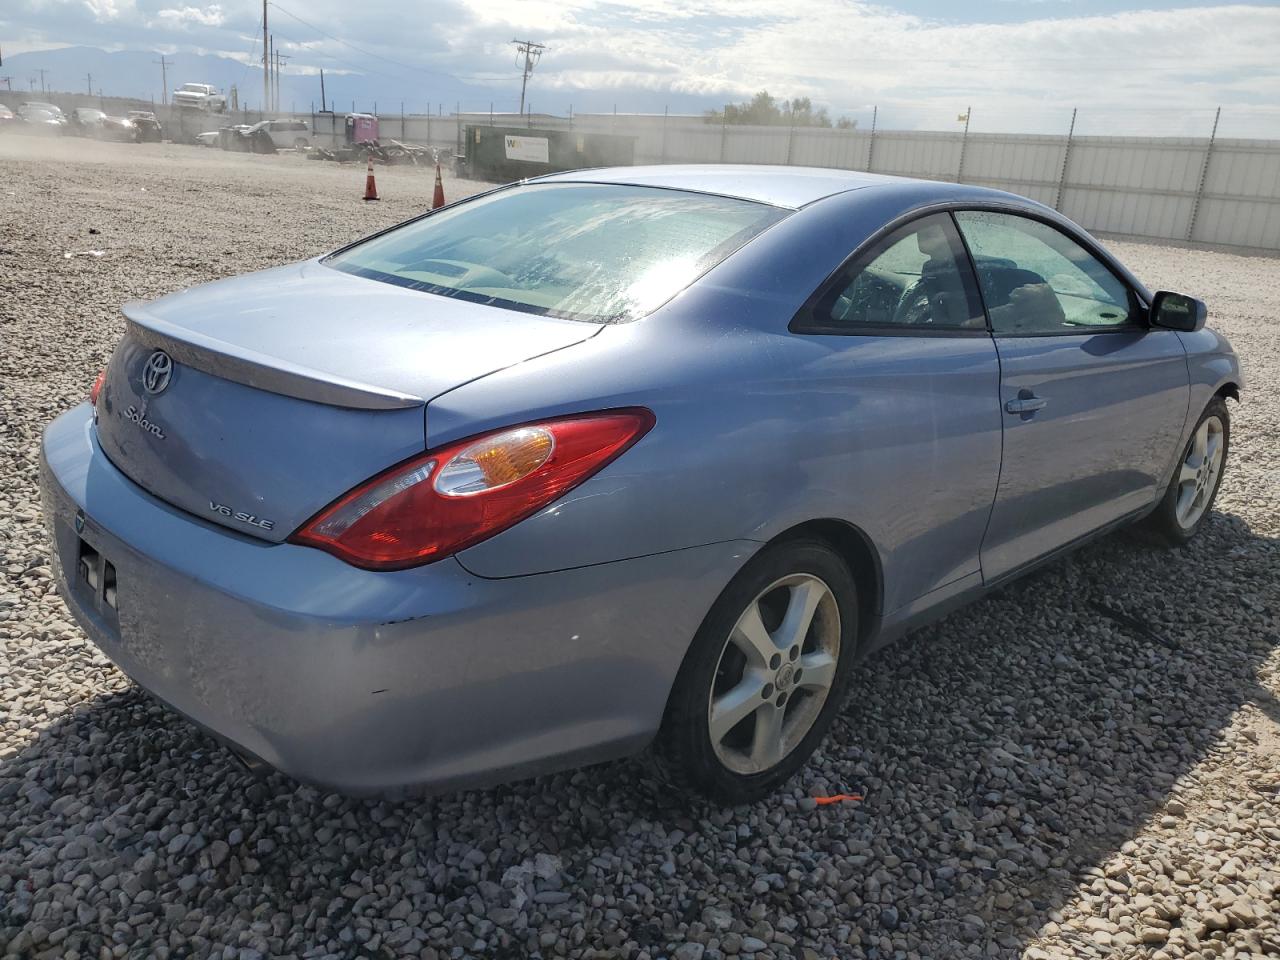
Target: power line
<point>355,67</point>
<point>367,53</point>
<point>532,53</point>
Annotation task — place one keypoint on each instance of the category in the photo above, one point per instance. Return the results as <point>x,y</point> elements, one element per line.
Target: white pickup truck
<point>199,96</point>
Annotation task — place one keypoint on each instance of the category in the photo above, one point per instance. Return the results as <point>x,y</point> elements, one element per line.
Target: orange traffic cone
<point>370,187</point>
<point>437,200</point>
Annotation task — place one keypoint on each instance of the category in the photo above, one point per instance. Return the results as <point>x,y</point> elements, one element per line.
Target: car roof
<point>792,187</point>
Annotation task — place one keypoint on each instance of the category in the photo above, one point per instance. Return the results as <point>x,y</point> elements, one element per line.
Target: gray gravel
<point>1086,765</point>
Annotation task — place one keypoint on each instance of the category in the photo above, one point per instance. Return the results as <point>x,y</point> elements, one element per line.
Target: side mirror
<point>1177,311</point>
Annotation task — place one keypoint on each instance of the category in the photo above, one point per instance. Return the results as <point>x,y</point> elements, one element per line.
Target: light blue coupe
<point>612,457</point>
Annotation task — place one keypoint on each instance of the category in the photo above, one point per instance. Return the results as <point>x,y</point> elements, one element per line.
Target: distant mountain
<point>136,73</point>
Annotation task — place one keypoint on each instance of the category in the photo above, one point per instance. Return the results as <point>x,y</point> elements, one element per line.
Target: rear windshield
<point>599,252</point>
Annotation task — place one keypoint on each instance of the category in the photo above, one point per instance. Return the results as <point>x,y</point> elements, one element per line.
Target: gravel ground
<point>1086,764</point>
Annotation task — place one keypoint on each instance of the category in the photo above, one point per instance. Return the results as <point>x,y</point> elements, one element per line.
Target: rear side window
<point>599,252</point>
<point>915,280</point>
<point>1037,280</point>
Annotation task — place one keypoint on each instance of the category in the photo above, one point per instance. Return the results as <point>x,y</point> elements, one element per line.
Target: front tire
<point>764,676</point>
<point>1196,478</point>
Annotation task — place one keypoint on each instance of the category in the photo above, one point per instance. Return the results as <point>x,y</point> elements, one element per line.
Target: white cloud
<point>1145,70</point>
<point>106,9</point>
<point>185,17</point>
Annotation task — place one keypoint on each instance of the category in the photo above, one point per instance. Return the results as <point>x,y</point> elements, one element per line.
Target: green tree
<point>764,110</point>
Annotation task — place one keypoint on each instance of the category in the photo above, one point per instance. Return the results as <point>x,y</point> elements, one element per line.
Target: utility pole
<point>88,79</point>
<point>280,61</point>
<point>1204,173</point>
<point>266,73</point>
<point>43,91</point>
<point>322,100</point>
<point>271,56</point>
<point>532,53</point>
<point>8,83</point>
<point>164,78</point>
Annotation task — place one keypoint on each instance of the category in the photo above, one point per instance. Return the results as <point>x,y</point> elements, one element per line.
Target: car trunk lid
<point>254,402</point>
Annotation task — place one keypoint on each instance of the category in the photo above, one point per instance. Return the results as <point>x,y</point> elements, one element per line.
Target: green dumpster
<point>512,153</point>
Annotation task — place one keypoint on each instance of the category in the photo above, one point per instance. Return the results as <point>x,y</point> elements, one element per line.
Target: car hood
<point>297,328</point>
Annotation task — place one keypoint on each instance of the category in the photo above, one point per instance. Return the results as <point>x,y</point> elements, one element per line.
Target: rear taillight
<point>449,499</point>
<point>97,387</point>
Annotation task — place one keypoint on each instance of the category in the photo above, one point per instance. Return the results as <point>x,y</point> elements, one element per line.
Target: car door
<point>1093,400</point>
<point>911,376</point>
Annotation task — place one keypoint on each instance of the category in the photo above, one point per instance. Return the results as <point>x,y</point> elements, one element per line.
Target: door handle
<point>1026,403</point>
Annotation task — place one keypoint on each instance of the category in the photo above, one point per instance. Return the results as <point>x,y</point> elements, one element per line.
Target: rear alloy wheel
<point>765,674</point>
<point>1195,481</point>
<point>774,674</point>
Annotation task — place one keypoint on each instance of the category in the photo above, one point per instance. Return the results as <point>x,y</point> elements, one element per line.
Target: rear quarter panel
<point>758,429</point>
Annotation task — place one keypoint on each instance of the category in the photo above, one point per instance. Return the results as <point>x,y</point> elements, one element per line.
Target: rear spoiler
<point>230,362</point>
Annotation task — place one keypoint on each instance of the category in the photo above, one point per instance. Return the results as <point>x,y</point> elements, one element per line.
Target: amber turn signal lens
<point>495,462</point>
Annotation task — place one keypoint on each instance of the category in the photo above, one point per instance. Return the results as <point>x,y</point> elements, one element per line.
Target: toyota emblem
<point>157,372</point>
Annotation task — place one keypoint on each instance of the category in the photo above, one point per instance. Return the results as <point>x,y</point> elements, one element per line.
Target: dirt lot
<point>1085,765</point>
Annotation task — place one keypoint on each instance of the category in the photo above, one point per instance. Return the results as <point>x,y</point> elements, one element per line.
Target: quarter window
<point>1036,280</point>
<point>915,280</point>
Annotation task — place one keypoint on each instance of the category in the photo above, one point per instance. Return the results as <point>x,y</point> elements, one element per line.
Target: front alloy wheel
<point>1198,478</point>
<point>1197,475</point>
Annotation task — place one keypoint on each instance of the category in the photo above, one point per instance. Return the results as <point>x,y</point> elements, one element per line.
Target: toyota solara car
<point>612,458</point>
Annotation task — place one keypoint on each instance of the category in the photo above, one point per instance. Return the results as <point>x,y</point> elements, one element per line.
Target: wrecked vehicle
<point>146,127</point>
<point>86,122</point>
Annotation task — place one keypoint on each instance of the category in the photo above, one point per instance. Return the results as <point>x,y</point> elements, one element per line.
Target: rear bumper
<point>364,681</point>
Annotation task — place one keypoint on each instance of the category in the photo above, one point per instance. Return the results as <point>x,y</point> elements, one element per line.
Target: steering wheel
<point>916,305</point>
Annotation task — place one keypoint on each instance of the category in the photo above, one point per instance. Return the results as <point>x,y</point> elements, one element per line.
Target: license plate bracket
<point>96,578</point>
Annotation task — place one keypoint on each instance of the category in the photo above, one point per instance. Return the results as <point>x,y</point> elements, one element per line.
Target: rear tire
<point>1197,475</point>
<point>765,674</point>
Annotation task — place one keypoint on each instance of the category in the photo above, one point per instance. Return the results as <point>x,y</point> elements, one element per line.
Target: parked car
<point>279,135</point>
<point>289,134</point>
<point>33,106</point>
<point>235,138</point>
<point>119,128</point>
<point>199,96</point>
<point>660,465</point>
<point>208,139</point>
<point>86,122</point>
<point>6,117</point>
<point>35,119</point>
<point>146,127</point>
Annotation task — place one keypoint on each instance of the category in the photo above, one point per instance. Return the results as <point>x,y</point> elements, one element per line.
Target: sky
<point>1147,68</point>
